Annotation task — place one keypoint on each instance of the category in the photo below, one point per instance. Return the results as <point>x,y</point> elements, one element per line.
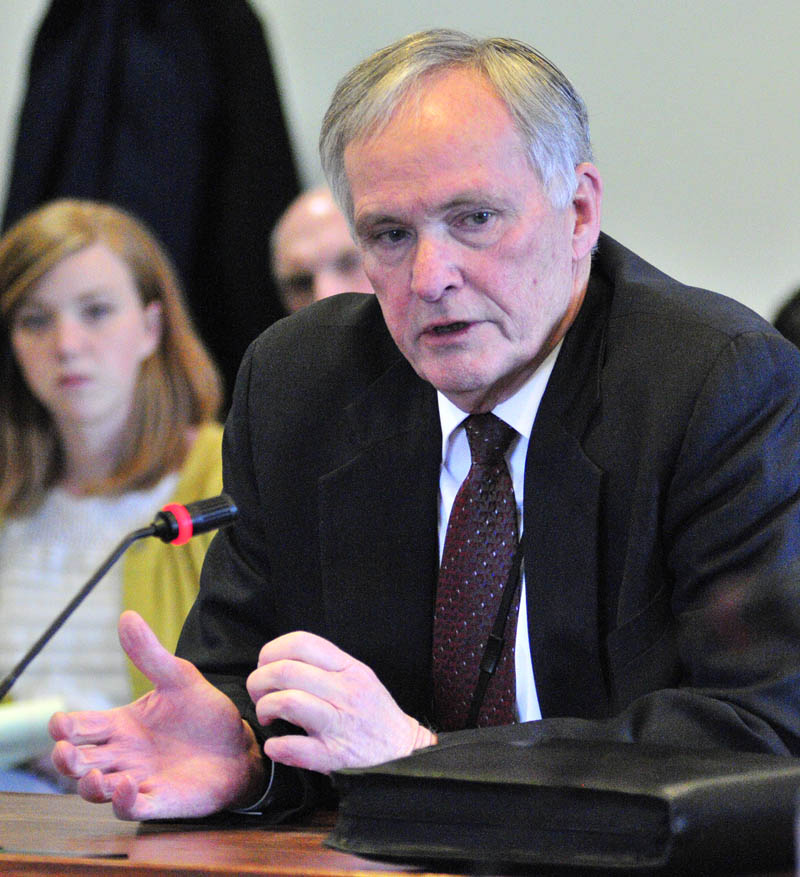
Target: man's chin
<point>464,390</point>
<point>475,389</point>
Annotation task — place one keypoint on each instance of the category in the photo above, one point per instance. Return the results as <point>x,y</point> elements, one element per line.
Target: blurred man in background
<point>313,254</point>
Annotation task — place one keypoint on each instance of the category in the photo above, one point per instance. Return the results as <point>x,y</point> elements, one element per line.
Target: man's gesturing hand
<point>180,750</point>
<point>350,718</point>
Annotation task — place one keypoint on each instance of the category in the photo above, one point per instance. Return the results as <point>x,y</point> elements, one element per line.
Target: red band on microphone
<point>184,519</point>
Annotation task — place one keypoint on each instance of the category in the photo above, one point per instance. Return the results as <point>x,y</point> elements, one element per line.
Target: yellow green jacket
<point>160,580</point>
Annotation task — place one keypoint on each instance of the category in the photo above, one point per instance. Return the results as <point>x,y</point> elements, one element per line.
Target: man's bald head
<point>313,254</point>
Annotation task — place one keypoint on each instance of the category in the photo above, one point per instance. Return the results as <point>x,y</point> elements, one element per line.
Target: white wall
<point>18,22</point>
<point>695,111</point>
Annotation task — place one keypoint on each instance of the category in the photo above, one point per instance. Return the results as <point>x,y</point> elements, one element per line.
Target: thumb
<point>141,645</point>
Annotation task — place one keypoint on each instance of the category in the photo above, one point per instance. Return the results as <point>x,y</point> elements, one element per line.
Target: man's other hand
<point>350,719</point>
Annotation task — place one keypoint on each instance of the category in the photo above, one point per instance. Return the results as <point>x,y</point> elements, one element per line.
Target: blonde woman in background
<point>108,403</point>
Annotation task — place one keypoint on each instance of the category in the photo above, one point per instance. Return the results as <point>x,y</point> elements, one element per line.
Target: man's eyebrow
<point>469,199</point>
<point>472,199</point>
<point>370,220</point>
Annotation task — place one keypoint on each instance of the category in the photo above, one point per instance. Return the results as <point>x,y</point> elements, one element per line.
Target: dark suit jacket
<point>661,515</point>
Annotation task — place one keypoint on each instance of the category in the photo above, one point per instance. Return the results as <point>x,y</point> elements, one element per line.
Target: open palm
<point>181,750</point>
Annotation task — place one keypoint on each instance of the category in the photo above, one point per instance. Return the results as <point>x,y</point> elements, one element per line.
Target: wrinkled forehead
<point>455,137</point>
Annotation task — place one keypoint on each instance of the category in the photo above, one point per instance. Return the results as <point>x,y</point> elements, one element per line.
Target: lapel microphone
<point>175,524</point>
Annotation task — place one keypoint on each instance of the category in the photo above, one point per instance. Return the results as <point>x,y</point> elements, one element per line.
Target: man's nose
<point>433,269</point>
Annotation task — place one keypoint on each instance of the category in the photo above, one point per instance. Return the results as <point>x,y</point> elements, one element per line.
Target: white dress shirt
<point>518,412</point>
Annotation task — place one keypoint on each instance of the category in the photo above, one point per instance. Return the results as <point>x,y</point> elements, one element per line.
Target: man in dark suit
<point>653,459</point>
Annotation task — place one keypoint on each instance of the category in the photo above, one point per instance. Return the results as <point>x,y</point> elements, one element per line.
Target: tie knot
<point>489,438</point>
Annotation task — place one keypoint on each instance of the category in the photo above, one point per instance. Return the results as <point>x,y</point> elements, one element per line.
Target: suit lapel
<point>562,501</point>
<point>379,548</point>
<point>379,551</point>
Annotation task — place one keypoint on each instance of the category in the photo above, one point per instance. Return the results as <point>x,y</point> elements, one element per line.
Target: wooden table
<point>63,835</point>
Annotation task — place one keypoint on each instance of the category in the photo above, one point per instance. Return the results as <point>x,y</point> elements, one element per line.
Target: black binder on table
<point>491,807</point>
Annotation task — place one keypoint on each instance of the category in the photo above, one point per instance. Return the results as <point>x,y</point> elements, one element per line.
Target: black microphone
<point>178,523</point>
<point>175,524</point>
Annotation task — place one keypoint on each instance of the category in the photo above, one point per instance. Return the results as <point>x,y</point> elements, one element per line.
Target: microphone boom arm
<point>73,604</point>
<point>174,524</point>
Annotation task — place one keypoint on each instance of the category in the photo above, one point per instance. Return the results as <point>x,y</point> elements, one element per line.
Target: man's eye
<point>348,262</point>
<point>298,284</point>
<point>392,236</point>
<point>480,217</point>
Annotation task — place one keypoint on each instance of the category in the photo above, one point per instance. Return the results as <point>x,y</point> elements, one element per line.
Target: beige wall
<point>695,110</point>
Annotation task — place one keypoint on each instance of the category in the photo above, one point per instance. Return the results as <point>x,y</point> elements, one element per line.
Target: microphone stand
<point>174,524</point>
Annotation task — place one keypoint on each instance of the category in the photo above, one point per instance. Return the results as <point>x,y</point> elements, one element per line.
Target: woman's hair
<point>178,386</point>
<point>549,114</point>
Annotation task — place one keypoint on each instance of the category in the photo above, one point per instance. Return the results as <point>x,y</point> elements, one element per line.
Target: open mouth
<point>449,328</point>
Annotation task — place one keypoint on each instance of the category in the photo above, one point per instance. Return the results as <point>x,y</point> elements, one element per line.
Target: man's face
<point>314,255</point>
<point>477,274</point>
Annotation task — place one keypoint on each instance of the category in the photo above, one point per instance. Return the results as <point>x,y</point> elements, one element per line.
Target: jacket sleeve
<point>234,615</point>
<point>731,526</point>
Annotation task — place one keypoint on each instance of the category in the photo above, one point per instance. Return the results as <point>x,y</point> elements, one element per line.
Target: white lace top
<point>45,559</point>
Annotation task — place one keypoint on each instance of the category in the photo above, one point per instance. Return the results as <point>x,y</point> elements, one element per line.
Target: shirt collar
<point>519,411</point>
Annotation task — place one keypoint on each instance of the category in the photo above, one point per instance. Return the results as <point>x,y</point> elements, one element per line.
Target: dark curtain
<point>170,109</point>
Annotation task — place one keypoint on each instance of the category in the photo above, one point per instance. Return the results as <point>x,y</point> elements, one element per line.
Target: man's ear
<point>586,203</point>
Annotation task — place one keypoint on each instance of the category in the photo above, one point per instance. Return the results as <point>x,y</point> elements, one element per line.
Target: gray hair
<point>549,113</point>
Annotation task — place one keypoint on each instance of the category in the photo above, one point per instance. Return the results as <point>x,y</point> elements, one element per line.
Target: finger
<point>125,798</point>
<point>80,760</point>
<point>285,675</point>
<point>295,750</point>
<point>94,787</point>
<point>122,790</point>
<point>141,645</point>
<point>62,758</point>
<point>80,727</point>
<point>313,714</point>
<point>307,647</point>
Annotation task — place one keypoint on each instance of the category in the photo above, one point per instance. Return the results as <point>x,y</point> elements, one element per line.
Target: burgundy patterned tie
<point>478,549</point>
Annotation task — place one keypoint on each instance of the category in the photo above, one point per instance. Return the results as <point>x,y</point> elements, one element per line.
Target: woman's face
<point>80,335</point>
